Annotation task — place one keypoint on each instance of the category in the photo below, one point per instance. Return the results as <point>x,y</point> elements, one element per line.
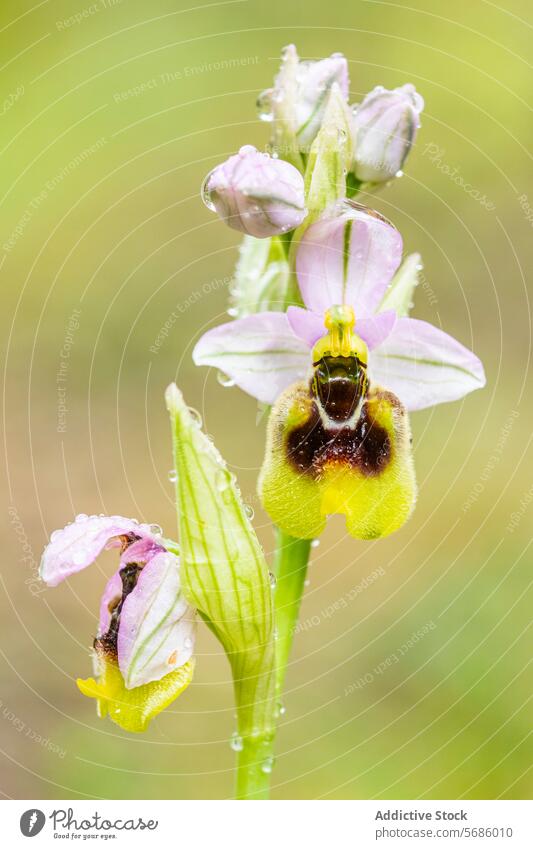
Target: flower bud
<point>256,194</point>
<point>298,100</point>
<point>225,573</point>
<point>384,128</point>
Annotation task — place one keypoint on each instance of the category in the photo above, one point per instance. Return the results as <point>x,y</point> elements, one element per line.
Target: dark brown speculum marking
<point>339,383</point>
<point>108,641</point>
<point>366,446</point>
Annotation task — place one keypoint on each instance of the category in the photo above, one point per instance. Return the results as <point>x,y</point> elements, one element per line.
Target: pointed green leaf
<point>399,295</point>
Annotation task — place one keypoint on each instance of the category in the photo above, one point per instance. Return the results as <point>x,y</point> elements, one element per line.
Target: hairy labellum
<point>360,466</point>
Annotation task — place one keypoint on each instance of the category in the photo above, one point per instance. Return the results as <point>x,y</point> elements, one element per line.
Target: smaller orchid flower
<point>256,194</point>
<point>145,639</point>
<point>298,100</point>
<point>384,128</point>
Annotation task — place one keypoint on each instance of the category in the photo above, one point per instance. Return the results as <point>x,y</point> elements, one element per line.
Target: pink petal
<point>157,626</point>
<point>77,545</point>
<point>375,329</point>
<point>424,366</point>
<point>260,353</point>
<point>307,325</point>
<point>347,258</point>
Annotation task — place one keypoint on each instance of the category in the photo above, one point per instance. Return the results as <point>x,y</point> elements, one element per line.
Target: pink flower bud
<point>384,129</point>
<point>256,194</point>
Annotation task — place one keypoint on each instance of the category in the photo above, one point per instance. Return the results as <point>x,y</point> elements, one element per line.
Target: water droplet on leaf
<point>236,742</point>
<point>195,416</point>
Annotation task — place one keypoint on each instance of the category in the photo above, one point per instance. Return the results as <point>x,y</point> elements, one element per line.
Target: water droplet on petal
<point>236,742</point>
<point>195,416</point>
<point>156,530</point>
<point>206,194</point>
<point>249,510</point>
<point>315,543</point>
<point>225,380</point>
<point>172,475</point>
<point>272,580</point>
<point>233,312</point>
<point>81,517</point>
<point>188,643</point>
<point>280,709</point>
<point>55,535</point>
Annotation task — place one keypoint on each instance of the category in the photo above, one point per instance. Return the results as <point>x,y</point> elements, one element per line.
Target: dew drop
<point>267,765</point>
<point>272,580</point>
<point>188,643</point>
<point>236,742</point>
<point>233,312</point>
<point>280,709</point>
<point>156,530</point>
<point>264,105</point>
<point>307,582</point>
<point>225,380</point>
<point>172,475</point>
<point>81,517</point>
<point>249,510</point>
<point>222,480</point>
<point>55,535</point>
<point>315,543</point>
<point>195,416</point>
<point>206,194</point>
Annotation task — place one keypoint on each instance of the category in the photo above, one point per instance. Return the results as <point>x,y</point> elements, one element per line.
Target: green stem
<point>257,695</point>
<point>256,724</point>
<point>290,568</point>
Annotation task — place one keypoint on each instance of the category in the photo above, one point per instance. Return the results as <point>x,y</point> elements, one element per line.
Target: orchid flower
<point>145,639</point>
<point>338,437</point>
<point>349,257</point>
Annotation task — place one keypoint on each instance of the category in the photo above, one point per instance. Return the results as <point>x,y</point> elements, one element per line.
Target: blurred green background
<point>112,114</point>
